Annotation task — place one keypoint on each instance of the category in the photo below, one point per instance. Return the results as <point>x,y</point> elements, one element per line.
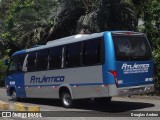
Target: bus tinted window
<point>42,59</point>
<point>92,52</point>
<point>13,65</point>
<point>73,55</point>
<point>55,57</point>
<point>20,62</point>
<point>31,64</point>
<point>131,48</point>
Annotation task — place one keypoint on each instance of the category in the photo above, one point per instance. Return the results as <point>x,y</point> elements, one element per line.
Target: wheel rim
<point>67,99</point>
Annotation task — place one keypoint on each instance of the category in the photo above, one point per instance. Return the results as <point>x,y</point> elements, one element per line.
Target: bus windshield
<point>131,48</point>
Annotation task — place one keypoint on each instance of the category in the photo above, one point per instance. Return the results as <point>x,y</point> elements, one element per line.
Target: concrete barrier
<point>22,107</point>
<point>33,108</point>
<point>4,105</point>
<point>19,107</point>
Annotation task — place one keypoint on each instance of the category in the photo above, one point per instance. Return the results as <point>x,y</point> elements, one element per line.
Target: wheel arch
<point>65,87</point>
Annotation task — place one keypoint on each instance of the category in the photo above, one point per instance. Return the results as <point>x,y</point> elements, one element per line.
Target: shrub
<point>3,68</point>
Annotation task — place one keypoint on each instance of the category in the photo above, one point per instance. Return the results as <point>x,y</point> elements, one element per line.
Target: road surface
<point>119,108</point>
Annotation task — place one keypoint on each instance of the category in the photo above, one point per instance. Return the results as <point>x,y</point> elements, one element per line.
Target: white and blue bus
<point>99,66</point>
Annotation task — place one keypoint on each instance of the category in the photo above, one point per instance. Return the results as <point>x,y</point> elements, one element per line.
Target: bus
<point>96,66</point>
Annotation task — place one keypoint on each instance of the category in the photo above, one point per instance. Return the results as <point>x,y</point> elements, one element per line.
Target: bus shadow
<point>112,107</point>
<point>40,101</point>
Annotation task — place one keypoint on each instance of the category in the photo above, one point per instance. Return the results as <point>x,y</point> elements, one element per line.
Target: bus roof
<point>74,38</point>
<point>19,52</point>
<point>66,40</point>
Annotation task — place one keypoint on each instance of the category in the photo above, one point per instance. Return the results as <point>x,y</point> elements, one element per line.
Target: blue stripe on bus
<point>80,84</point>
<point>84,84</point>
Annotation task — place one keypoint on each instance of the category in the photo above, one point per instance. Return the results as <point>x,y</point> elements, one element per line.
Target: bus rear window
<point>132,48</point>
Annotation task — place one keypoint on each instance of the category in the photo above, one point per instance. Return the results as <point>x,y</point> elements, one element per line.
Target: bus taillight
<point>114,73</point>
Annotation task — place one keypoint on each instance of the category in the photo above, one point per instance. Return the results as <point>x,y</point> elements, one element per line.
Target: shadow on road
<point>112,107</point>
<point>115,106</point>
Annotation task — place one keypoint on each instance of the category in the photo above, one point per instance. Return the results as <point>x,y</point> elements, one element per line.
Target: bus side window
<point>92,52</point>
<point>102,51</point>
<point>42,59</point>
<point>55,57</point>
<point>13,65</point>
<point>73,55</point>
<point>31,62</point>
<point>24,68</point>
<point>20,62</point>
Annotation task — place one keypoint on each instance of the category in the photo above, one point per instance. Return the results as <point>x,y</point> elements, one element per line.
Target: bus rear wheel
<point>66,99</point>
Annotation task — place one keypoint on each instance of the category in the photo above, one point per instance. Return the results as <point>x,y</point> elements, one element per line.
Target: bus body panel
<point>16,81</point>
<point>134,62</point>
<point>128,77</point>
<point>134,73</point>
<point>109,59</point>
<point>135,77</point>
<point>130,90</point>
<point>46,82</point>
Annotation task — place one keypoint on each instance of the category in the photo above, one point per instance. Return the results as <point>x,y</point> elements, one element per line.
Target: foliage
<point>25,18</point>
<point>149,10</point>
<point>151,15</point>
<point>2,72</point>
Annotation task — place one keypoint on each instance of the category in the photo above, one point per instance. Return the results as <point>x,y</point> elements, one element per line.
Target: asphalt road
<point>120,108</point>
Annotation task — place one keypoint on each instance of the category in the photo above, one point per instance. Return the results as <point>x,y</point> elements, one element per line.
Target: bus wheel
<point>14,96</point>
<point>66,99</point>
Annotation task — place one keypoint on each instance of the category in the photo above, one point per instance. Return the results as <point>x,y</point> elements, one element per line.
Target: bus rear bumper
<point>132,90</point>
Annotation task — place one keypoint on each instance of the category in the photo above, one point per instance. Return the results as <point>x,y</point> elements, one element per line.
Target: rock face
<point>71,17</point>
<point>68,13</point>
<point>102,15</point>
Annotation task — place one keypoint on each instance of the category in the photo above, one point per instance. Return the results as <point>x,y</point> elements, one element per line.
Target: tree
<point>26,23</point>
<point>151,13</point>
<point>2,73</point>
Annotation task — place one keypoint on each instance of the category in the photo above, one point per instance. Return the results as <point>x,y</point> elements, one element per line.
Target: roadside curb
<point>22,107</point>
<point>4,105</point>
<point>18,107</point>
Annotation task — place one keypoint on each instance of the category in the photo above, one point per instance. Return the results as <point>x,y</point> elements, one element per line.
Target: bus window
<point>92,52</point>
<point>131,48</point>
<point>55,57</point>
<point>24,67</point>
<point>31,63</point>
<point>42,59</point>
<point>73,55</point>
<point>20,62</point>
<point>13,65</point>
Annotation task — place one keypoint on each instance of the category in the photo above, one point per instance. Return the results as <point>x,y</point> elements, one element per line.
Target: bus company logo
<point>135,68</point>
<point>45,79</point>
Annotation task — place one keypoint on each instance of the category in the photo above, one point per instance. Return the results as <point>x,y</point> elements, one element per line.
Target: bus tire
<point>66,99</point>
<point>14,96</point>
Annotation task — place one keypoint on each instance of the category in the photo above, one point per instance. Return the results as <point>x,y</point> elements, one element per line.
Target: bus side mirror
<point>6,62</point>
